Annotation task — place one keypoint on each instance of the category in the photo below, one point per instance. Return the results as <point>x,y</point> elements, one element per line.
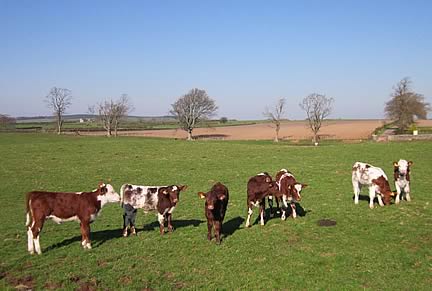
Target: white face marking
<point>298,187</point>
<point>403,166</point>
<point>110,196</point>
<point>174,188</point>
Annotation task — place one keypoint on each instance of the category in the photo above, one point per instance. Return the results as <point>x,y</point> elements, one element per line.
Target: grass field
<point>387,248</point>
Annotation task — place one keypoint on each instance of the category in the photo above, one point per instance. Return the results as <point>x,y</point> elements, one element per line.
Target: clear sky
<point>245,54</point>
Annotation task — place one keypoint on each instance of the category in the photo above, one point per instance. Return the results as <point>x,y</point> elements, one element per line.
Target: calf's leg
<point>398,193</point>
<point>250,212</point>
<point>371,197</point>
<point>407,193</point>
<point>170,226</point>
<point>161,219</point>
<point>209,229</point>
<point>262,208</point>
<point>85,233</point>
<point>218,228</point>
<point>356,188</point>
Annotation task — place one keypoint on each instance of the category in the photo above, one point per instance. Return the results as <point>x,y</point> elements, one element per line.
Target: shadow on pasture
<point>229,227</point>
<point>366,198</point>
<point>176,223</point>
<point>97,238</point>
<point>278,212</point>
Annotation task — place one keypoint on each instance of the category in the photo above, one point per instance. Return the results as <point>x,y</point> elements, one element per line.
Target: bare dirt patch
<point>290,130</point>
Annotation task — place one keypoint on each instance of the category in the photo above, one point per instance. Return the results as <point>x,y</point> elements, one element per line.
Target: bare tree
<point>405,104</point>
<point>121,109</point>
<point>7,122</point>
<point>275,115</point>
<point>59,99</point>
<point>317,108</point>
<point>192,108</point>
<point>110,112</point>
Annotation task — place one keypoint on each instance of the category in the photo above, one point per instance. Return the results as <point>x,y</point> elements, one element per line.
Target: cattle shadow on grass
<point>229,227</point>
<point>278,212</point>
<point>176,223</point>
<point>97,238</point>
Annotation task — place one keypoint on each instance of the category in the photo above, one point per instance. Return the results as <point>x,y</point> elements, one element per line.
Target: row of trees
<point>196,106</point>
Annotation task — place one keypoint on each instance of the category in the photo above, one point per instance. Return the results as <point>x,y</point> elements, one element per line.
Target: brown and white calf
<point>291,191</point>
<point>61,207</point>
<point>402,178</point>
<point>163,199</point>
<point>364,174</point>
<point>216,203</point>
<point>258,188</point>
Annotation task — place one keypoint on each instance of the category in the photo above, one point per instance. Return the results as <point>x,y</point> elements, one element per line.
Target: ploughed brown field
<point>290,130</point>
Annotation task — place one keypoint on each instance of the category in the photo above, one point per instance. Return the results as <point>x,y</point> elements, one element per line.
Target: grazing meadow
<point>380,249</point>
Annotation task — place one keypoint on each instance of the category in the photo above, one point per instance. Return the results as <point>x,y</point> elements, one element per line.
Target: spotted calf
<point>375,179</point>
<point>163,199</point>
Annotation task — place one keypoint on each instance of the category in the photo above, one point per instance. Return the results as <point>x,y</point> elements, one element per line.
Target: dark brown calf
<point>215,209</point>
<point>259,187</point>
<point>61,207</point>
<point>167,201</point>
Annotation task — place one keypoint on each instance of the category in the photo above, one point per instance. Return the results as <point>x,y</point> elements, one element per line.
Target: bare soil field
<point>290,130</point>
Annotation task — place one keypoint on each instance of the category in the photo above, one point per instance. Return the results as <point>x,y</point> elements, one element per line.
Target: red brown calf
<point>61,207</point>
<point>258,188</point>
<point>216,202</point>
<point>291,191</point>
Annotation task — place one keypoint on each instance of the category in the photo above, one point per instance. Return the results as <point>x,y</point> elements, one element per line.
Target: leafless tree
<point>121,109</point>
<point>110,112</point>
<point>317,108</point>
<point>7,122</point>
<point>275,115</point>
<point>59,99</point>
<point>192,108</point>
<point>405,104</point>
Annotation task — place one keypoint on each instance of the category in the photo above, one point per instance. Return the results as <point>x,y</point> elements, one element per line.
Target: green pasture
<point>387,248</point>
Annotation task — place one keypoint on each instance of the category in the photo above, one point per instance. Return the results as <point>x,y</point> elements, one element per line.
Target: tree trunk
<point>59,124</point>
<point>189,134</point>
<point>115,128</point>
<point>315,139</point>
<point>276,139</point>
<point>109,133</point>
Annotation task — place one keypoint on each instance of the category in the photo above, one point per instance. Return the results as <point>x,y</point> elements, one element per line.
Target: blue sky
<point>245,54</point>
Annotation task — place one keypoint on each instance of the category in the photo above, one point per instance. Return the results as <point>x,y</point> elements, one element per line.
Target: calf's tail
<point>28,216</point>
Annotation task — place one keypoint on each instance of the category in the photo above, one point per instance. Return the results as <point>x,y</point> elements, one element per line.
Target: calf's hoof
<point>133,231</point>
<point>125,232</point>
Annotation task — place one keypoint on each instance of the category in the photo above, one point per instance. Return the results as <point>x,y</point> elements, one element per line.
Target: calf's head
<point>294,191</point>
<point>402,168</point>
<point>211,198</point>
<point>173,192</point>
<point>106,193</point>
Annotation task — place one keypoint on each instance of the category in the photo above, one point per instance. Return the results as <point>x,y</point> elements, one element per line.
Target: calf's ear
<point>182,187</point>
<point>395,164</point>
<point>304,185</point>
<point>410,163</point>
<point>201,195</point>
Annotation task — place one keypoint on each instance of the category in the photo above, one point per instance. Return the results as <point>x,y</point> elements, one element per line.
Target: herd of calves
<point>285,189</point>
